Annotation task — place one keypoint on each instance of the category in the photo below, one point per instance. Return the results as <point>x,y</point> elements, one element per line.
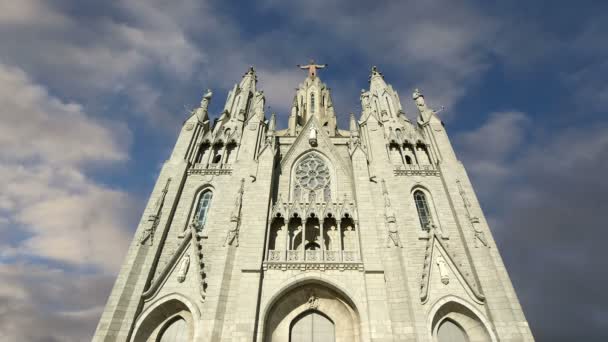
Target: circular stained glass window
<point>312,173</point>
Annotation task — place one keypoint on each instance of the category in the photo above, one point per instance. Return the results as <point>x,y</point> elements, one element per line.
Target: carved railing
<point>332,256</point>
<point>276,255</point>
<point>420,170</point>
<point>350,256</point>
<point>210,169</point>
<point>293,255</point>
<point>312,256</point>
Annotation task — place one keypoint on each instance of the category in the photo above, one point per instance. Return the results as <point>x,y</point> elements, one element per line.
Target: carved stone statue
<point>201,112</point>
<point>391,221</point>
<point>365,99</point>
<point>312,68</point>
<point>443,270</point>
<point>279,242</point>
<point>349,239</point>
<point>235,218</point>
<point>478,234</point>
<point>258,104</point>
<point>183,269</point>
<point>333,243</point>
<point>312,136</point>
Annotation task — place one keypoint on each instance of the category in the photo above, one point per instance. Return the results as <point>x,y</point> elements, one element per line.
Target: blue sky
<point>92,95</point>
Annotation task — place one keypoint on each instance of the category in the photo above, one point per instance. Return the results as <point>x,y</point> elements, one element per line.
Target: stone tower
<point>313,233</point>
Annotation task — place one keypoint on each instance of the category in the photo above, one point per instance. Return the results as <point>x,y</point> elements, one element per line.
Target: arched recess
<point>455,314</point>
<point>162,314</point>
<point>290,305</point>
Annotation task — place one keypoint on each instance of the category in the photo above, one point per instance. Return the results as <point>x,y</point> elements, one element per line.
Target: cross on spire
<point>312,68</point>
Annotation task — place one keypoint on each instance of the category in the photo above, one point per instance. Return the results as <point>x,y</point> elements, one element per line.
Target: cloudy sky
<point>92,95</point>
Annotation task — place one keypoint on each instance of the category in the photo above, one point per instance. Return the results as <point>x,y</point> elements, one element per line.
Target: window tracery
<point>202,208</point>
<point>312,175</point>
<point>422,206</point>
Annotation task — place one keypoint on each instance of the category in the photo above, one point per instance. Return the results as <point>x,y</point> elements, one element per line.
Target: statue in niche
<point>443,270</point>
<point>183,269</point>
<point>333,243</point>
<point>279,242</point>
<point>312,136</point>
<point>349,239</point>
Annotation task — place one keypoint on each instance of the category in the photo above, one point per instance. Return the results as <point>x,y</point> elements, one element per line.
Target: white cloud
<point>44,144</point>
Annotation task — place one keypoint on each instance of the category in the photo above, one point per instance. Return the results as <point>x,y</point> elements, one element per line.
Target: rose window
<point>312,173</point>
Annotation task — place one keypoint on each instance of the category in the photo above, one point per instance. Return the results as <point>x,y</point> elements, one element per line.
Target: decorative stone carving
<point>312,136</point>
<point>235,218</point>
<point>202,111</point>
<point>443,270</point>
<point>350,242</point>
<point>258,104</point>
<point>391,221</point>
<point>197,245</point>
<point>478,234</point>
<point>313,301</point>
<point>312,175</point>
<point>154,218</point>
<point>183,269</point>
<point>333,243</point>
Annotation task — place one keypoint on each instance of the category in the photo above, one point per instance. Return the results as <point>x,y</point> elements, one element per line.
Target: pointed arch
<point>464,315</point>
<point>160,314</point>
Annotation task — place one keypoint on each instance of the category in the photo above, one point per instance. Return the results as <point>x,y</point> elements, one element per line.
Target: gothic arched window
<point>424,214</point>
<point>202,208</point>
<point>312,103</point>
<point>312,180</point>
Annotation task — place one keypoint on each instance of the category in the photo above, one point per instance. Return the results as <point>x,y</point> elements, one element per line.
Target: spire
<point>202,112</point>
<point>376,80</point>
<point>249,79</point>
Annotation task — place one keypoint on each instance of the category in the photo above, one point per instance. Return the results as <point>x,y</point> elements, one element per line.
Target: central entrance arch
<point>312,312</point>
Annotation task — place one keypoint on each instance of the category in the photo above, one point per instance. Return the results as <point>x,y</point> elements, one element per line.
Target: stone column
<point>223,160</point>
<point>341,248</point>
<point>303,244</point>
<point>402,154</point>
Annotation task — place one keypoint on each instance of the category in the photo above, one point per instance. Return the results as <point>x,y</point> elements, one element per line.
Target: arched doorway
<point>312,326</point>
<point>312,312</point>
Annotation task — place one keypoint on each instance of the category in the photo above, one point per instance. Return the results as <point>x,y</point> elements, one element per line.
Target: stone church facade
<point>313,233</point>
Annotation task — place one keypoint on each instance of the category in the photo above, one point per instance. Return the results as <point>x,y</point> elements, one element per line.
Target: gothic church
<point>313,232</point>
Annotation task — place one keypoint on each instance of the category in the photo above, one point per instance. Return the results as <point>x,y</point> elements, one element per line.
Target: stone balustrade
<point>314,256</point>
